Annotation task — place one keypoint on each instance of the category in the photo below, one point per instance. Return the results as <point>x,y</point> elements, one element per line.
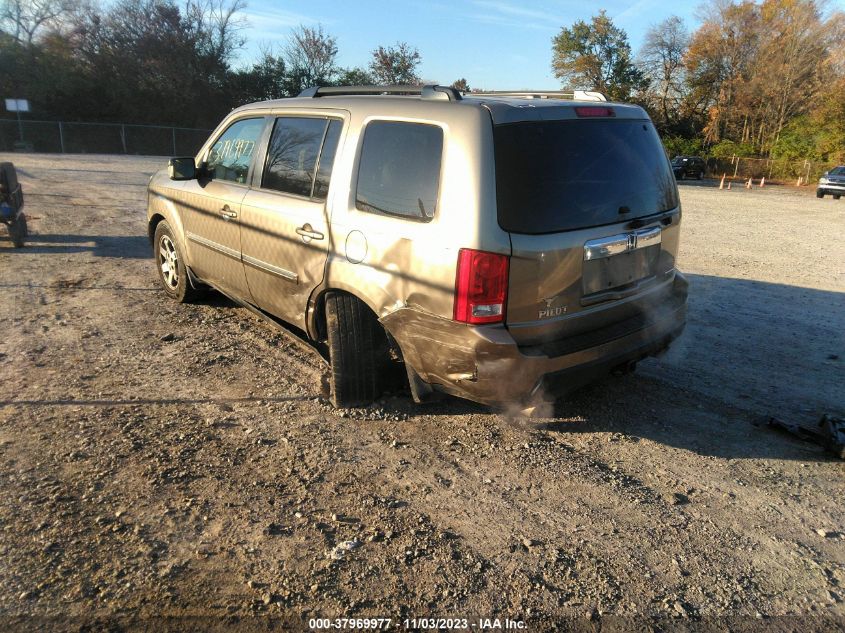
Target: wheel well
<point>320,316</point>
<point>320,310</point>
<point>390,363</point>
<point>320,320</point>
<point>151,228</point>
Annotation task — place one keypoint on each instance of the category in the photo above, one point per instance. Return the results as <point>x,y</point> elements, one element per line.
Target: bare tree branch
<point>26,19</point>
<point>395,64</point>
<point>310,54</point>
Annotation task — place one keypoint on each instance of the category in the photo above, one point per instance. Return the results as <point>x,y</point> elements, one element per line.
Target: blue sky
<point>495,44</point>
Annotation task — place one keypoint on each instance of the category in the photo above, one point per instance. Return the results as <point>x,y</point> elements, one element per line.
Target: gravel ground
<point>174,467</point>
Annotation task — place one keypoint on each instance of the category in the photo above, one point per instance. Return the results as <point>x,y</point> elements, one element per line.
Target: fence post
<point>123,138</point>
<point>173,133</point>
<point>61,137</point>
<point>20,125</point>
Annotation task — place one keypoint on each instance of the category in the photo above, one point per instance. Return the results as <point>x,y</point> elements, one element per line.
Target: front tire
<point>819,193</point>
<point>836,197</point>
<point>358,350</point>
<point>170,264</point>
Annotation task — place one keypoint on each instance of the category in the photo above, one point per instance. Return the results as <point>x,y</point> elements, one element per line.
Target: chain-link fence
<point>156,140</point>
<point>99,138</point>
<point>785,171</point>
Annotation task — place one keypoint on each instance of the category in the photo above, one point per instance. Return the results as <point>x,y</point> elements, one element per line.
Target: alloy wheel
<point>168,261</point>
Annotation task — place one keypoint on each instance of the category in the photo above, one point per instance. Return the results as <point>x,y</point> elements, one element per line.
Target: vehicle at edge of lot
<point>478,244</point>
<point>832,182</point>
<point>692,166</point>
<point>11,205</point>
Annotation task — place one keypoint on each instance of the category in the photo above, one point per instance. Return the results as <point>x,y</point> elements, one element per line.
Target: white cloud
<point>276,22</point>
<point>499,20</point>
<point>636,9</point>
<point>504,13</point>
<point>507,8</point>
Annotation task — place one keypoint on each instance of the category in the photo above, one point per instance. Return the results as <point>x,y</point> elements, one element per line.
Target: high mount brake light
<point>594,111</point>
<point>481,287</point>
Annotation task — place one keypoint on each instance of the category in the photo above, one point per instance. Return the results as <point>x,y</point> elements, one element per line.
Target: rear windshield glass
<point>561,175</point>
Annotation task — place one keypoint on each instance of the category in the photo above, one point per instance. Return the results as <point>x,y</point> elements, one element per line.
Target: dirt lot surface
<point>176,465</point>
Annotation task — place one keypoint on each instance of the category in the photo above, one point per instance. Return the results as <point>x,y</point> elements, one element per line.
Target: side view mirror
<point>182,168</point>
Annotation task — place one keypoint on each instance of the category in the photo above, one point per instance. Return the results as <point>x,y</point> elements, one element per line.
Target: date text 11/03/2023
<point>480,624</point>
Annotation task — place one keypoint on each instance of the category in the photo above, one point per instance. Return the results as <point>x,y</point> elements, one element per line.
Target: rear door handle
<point>227,213</point>
<point>308,233</point>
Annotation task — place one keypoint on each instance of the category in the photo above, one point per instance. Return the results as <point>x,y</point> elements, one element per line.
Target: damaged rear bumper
<point>486,365</point>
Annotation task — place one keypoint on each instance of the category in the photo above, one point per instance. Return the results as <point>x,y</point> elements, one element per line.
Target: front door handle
<point>227,213</point>
<point>308,233</point>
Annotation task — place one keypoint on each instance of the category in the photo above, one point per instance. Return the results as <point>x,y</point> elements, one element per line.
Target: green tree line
<point>159,62</point>
<point>763,78</point>
<point>754,79</point>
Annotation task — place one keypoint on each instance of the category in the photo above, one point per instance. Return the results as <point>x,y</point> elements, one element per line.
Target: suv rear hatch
<point>591,204</point>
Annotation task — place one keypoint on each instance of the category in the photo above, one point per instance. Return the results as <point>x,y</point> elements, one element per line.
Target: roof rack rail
<point>576,95</point>
<point>443,93</point>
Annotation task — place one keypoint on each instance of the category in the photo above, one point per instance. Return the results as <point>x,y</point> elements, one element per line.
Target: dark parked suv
<point>685,166</point>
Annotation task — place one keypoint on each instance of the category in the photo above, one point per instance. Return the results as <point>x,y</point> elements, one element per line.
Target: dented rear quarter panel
<point>407,263</point>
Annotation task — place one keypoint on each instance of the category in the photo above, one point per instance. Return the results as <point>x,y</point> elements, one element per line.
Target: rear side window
<point>293,153</point>
<point>231,154</point>
<point>560,175</point>
<point>399,174</point>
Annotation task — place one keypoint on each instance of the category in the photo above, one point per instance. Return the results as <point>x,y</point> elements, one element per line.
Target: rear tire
<point>358,350</point>
<point>18,231</point>
<point>819,194</point>
<point>170,264</point>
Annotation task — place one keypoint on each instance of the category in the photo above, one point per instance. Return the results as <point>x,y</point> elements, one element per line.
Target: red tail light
<point>481,287</point>
<point>588,111</point>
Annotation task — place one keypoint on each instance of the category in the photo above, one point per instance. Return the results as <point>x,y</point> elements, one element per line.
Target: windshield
<point>837,171</point>
<point>560,175</point>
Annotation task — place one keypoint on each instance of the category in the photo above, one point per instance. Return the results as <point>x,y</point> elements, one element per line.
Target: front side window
<point>399,173</point>
<point>292,155</point>
<point>231,154</point>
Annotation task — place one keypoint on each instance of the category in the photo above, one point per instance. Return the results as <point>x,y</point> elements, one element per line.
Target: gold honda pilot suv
<point>501,247</point>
